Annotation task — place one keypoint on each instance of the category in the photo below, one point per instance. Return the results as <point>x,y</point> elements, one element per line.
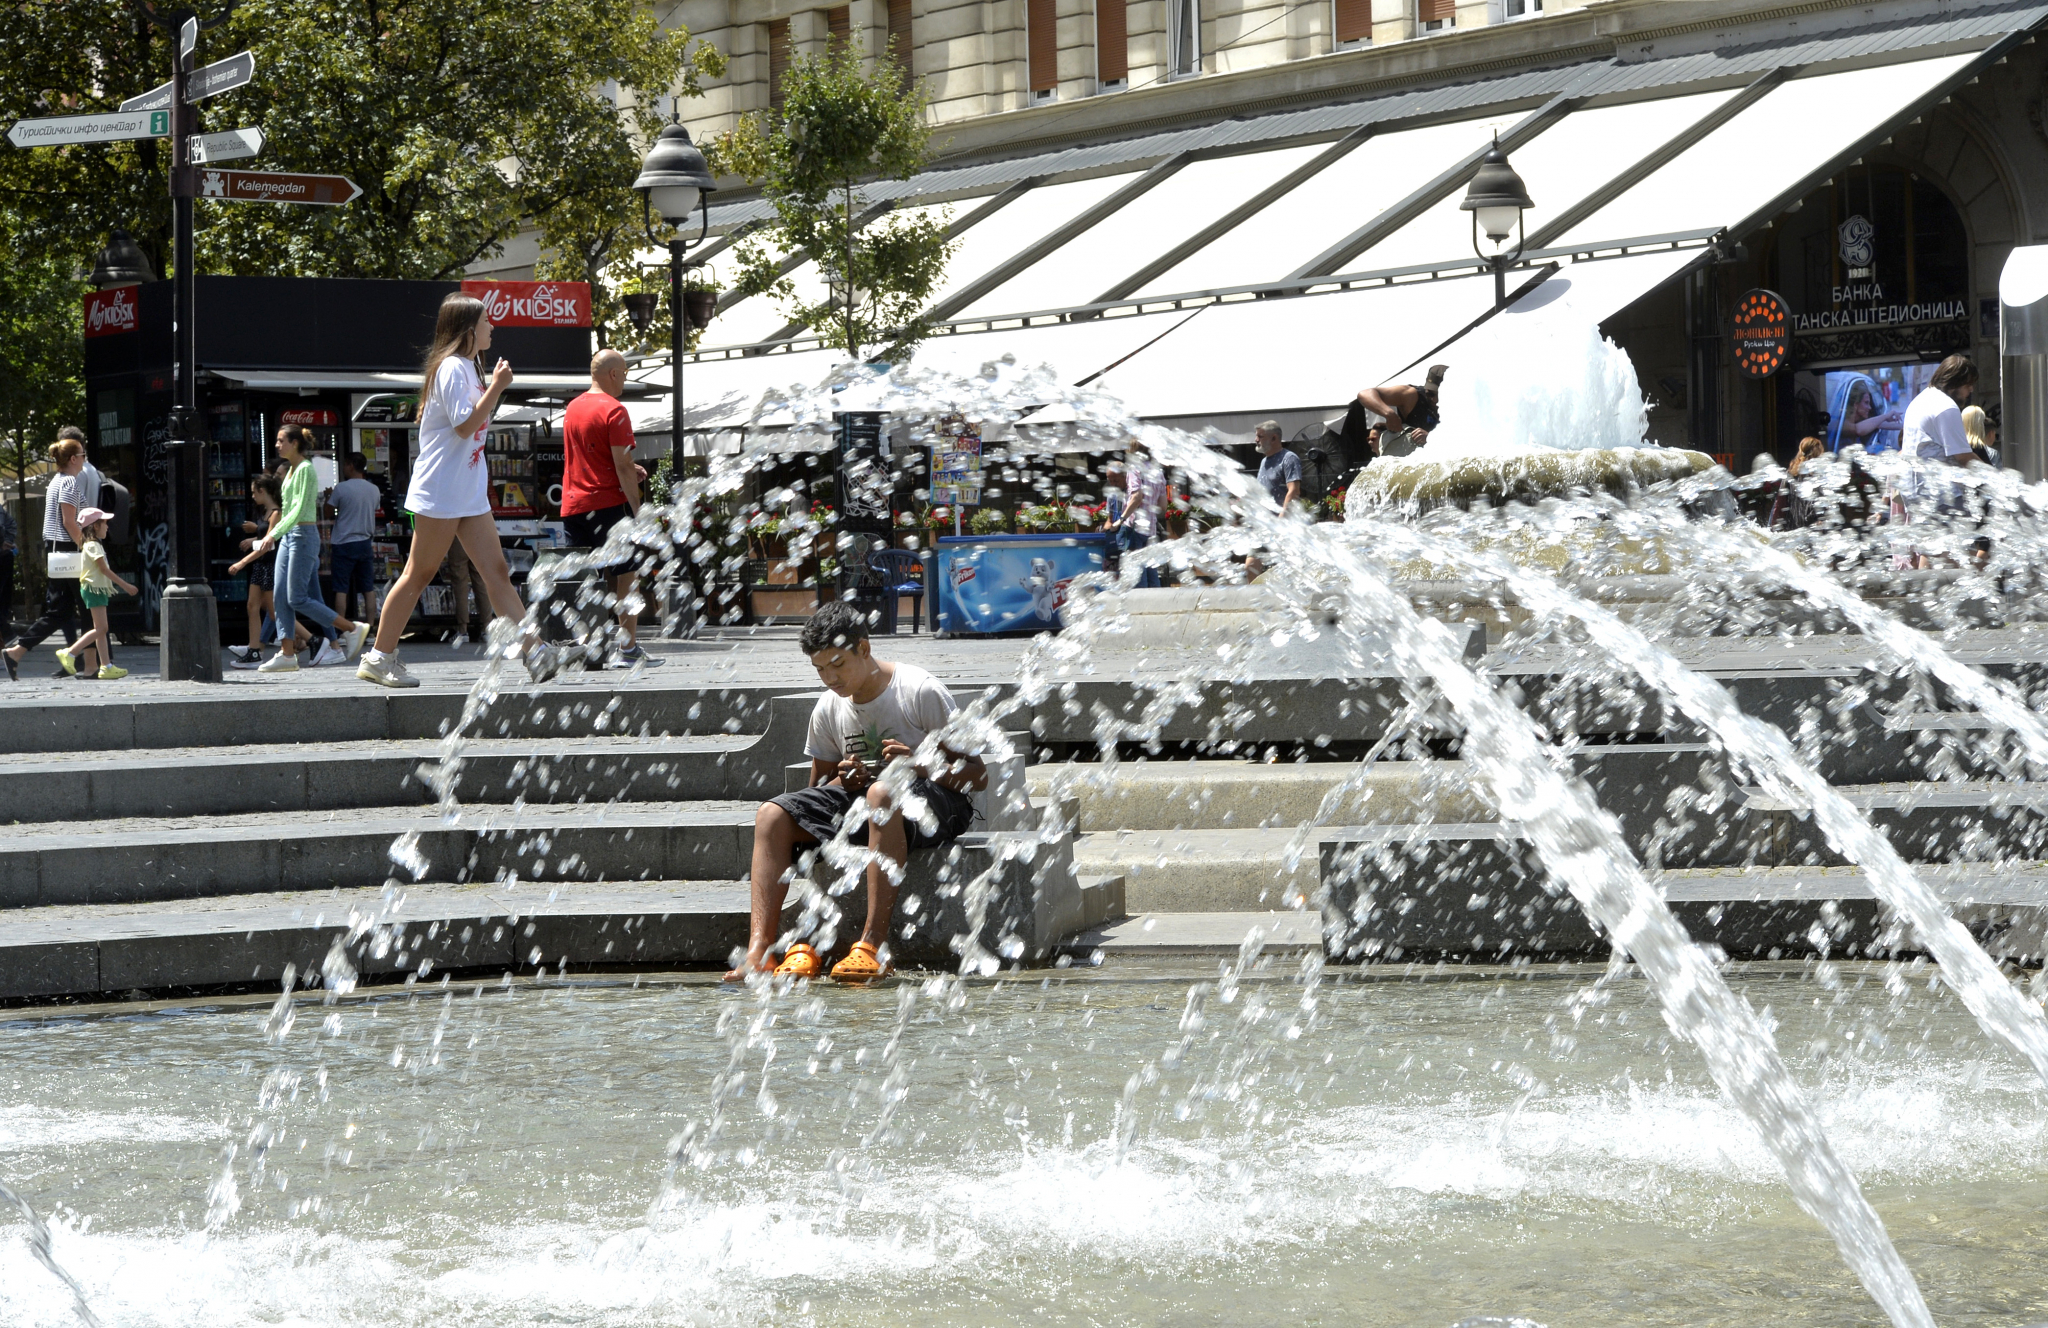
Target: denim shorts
<point>353,567</point>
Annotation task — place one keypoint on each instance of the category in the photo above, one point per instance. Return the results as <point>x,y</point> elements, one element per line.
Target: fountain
<point>1504,1125</point>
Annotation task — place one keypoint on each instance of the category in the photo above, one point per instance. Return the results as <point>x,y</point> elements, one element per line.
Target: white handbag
<point>65,565</point>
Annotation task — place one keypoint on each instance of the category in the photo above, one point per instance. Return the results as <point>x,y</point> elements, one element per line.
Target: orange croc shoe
<point>801,962</point>
<point>862,964</point>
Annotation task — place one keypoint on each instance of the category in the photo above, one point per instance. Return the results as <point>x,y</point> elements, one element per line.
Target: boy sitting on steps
<point>875,714</point>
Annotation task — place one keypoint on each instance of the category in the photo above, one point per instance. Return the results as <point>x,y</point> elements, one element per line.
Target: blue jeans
<point>1130,539</point>
<point>298,582</point>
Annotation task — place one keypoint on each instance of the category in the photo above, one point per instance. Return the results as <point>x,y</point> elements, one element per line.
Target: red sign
<point>1761,333</point>
<point>533,303</point>
<point>310,415</point>
<point>110,311</point>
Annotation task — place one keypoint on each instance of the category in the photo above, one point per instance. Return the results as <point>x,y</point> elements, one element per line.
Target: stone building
<point>1269,189</point>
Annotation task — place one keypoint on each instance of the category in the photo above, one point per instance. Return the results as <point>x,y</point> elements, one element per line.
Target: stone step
<point>1479,891</point>
<point>1969,821</point>
<point>479,931</point>
<point>164,858</point>
<point>1201,871</point>
<point>1225,795</point>
<point>334,776</point>
<point>1166,935</point>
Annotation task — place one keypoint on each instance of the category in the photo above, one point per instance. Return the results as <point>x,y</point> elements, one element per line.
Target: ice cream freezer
<point>1010,583</point>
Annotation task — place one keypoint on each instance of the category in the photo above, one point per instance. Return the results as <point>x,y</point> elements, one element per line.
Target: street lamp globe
<point>1496,197</point>
<point>674,176</point>
<point>121,263</point>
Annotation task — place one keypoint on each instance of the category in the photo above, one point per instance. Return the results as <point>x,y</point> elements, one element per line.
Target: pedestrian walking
<point>96,582</point>
<point>62,540</point>
<point>450,495</point>
<point>456,571</point>
<point>1279,469</point>
<point>10,544</point>
<point>1138,523</point>
<point>353,504</point>
<point>296,537</point>
<point>267,493</point>
<point>601,485</point>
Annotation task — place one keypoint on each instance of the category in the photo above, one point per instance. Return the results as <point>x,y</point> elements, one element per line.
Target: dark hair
<point>358,460</point>
<point>454,334</point>
<point>1955,371</point>
<point>836,623</point>
<point>71,431</point>
<point>268,484</point>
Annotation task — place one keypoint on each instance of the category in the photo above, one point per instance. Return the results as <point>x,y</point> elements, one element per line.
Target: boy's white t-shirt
<point>910,707</point>
<point>450,478</point>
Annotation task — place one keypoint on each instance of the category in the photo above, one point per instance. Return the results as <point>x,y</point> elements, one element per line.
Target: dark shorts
<point>262,573</point>
<point>819,810</point>
<point>587,530</point>
<point>352,567</point>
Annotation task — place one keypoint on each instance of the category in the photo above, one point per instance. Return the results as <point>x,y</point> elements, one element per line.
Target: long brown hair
<point>453,326</point>
<point>1810,449</point>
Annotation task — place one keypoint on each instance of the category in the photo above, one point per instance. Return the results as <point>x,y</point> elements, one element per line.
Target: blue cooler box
<point>1010,583</point>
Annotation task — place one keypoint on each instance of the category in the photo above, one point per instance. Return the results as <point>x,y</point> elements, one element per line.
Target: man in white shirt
<point>1933,430</point>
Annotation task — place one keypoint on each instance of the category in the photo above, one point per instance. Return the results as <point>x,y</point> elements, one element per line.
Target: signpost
<point>111,128</point>
<point>277,187</point>
<point>189,619</point>
<point>230,146</point>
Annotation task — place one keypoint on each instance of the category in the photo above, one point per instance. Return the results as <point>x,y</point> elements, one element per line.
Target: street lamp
<point>1496,199</point>
<point>121,263</point>
<point>675,181</point>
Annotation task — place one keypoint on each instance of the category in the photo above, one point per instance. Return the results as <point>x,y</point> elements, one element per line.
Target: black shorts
<point>587,530</point>
<point>820,809</point>
<point>260,573</point>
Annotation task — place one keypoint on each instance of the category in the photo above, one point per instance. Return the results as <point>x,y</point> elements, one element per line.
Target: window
<point>899,37</point>
<point>1436,15</point>
<point>1352,21</point>
<point>778,61</point>
<point>1112,44</point>
<point>1042,47</point>
<point>1510,9</point>
<point>839,24</point>
<point>1184,38</point>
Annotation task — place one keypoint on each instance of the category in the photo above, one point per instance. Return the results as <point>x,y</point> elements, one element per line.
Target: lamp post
<point>121,263</point>
<point>1496,199</point>
<point>675,181</point>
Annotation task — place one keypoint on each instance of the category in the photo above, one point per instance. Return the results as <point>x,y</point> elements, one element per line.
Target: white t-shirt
<point>450,478</point>
<point>1933,427</point>
<point>910,707</point>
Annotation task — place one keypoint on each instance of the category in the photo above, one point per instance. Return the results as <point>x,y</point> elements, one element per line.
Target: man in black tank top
<point>1402,416</point>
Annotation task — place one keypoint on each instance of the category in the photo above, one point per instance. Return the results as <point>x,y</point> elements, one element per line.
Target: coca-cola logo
<point>309,415</point>
<point>533,303</point>
<point>110,311</point>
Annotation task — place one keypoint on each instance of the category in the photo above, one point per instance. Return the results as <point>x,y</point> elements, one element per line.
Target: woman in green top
<point>296,537</point>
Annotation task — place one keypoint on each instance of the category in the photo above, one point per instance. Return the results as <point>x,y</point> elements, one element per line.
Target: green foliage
<point>463,120</point>
<point>42,352</point>
<point>988,521</point>
<point>841,125</point>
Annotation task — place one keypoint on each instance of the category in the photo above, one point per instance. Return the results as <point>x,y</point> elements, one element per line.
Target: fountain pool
<point>1379,1148</point>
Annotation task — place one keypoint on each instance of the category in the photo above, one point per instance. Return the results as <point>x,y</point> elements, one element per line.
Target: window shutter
<point>1112,42</point>
<point>778,61</point>
<point>1042,41</point>
<point>1354,20</point>
<point>899,36</point>
<point>1436,11</point>
<point>839,23</point>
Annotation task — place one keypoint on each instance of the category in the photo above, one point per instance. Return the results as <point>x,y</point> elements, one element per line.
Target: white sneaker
<point>279,663</point>
<point>543,662</point>
<point>385,672</point>
<point>352,644</point>
<point>327,653</point>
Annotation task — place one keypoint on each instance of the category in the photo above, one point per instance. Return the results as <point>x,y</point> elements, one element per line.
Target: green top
<point>300,500</point>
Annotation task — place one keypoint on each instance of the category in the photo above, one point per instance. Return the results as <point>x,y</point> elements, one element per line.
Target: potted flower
<point>1333,504</point>
<point>988,521</point>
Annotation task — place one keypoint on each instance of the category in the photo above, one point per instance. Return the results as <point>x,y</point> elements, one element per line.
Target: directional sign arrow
<point>220,76</point>
<point>89,128</point>
<point>277,187</point>
<point>230,146</point>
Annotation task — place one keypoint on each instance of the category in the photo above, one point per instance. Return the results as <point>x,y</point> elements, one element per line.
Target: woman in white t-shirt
<point>450,494</point>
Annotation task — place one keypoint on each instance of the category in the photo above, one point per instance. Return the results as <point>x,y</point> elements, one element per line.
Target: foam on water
<point>25,1128</point>
<point>1575,390</point>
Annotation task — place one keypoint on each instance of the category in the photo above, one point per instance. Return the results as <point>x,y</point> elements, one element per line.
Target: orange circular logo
<point>1762,327</point>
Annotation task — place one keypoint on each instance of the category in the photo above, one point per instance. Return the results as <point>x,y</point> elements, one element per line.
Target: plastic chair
<point>899,570</point>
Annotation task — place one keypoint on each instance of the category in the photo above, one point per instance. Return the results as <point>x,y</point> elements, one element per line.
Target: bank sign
<point>533,303</point>
<point>110,311</point>
<point>1861,300</point>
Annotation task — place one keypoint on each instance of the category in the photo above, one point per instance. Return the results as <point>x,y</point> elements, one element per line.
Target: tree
<point>463,121</point>
<point>42,355</point>
<point>841,125</point>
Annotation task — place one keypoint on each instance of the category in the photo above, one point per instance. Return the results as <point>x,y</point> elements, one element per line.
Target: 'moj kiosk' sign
<point>110,311</point>
<point>533,303</point>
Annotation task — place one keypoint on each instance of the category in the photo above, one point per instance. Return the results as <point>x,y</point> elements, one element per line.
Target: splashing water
<point>1511,392</point>
<point>40,1245</point>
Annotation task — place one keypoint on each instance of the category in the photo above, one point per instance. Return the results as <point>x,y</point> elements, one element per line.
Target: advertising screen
<point>1860,404</point>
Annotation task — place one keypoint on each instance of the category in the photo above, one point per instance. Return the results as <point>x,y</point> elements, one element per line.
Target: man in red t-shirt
<point>600,482</point>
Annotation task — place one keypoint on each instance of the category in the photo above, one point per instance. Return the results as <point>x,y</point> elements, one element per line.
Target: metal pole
<point>189,647</point>
<point>678,335</point>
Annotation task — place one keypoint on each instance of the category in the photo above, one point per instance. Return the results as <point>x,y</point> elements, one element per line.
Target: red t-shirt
<point>593,425</point>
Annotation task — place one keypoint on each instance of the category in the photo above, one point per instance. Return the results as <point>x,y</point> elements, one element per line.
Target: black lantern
<point>674,177</point>
<point>121,263</point>
<point>1496,198</point>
